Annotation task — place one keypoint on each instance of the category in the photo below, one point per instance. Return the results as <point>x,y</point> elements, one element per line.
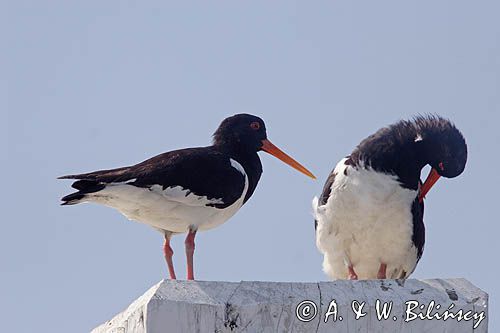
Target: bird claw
<point>382,271</point>
<point>352,274</point>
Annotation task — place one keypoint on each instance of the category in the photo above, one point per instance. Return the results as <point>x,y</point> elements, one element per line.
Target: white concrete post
<point>450,305</point>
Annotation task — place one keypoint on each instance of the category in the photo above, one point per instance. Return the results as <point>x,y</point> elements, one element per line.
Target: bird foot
<point>382,271</point>
<point>352,274</point>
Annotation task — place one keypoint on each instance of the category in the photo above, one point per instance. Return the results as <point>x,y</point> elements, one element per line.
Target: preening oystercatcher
<point>189,189</point>
<point>369,218</point>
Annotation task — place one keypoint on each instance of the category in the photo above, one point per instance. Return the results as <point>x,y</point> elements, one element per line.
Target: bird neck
<point>394,151</point>
<point>249,160</point>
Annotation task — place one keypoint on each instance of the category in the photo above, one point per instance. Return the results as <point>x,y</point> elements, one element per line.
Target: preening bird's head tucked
<point>241,131</point>
<point>405,147</point>
<point>443,144</point>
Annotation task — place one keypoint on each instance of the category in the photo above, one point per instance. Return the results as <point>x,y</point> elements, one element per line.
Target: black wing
<point>202,171</point>
<point>418,238</point>
<point>327,188</point>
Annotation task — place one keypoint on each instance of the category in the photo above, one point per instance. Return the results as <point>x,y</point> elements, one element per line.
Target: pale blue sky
<point>101,84</point>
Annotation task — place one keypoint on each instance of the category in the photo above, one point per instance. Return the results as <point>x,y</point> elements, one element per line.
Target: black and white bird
<point>369,218</point>
<point>186,190</point>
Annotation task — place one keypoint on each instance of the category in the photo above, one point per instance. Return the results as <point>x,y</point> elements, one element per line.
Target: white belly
<point>366,221</point>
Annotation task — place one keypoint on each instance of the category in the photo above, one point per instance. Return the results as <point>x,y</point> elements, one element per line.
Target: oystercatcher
<point>189,189</point>
<point>369,218</point>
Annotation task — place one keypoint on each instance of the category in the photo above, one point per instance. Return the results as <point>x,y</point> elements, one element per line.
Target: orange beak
<point>432,178</point>
<point>269,148</point>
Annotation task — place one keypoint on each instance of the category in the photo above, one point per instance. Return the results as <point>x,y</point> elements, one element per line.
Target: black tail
<point>72,199</point>
<point>93,182</point>
<point>84,187</point>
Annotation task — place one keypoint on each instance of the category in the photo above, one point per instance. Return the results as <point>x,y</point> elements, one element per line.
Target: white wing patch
<point>185,196</point>
<point>124,182</point>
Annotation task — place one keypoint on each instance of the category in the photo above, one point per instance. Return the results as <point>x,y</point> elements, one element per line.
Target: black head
<point>241,131</point>
<point>244,134</point>
<point>444,146</point>
<point>444,149</point>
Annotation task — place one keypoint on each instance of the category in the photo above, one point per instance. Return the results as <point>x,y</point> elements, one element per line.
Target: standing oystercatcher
<point>189,189</point>
<point>369,218</point>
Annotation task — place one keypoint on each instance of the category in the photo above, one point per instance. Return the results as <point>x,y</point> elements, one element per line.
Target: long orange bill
<point>432,178</point>
<point>269,148</point>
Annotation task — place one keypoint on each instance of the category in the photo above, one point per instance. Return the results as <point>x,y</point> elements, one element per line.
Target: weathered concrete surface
<point>200,306</point>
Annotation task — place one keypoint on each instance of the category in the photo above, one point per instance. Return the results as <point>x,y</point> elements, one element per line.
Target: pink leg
<point>352,273</point>
<point>168,252</point>
<point>382,271</point>
<point>189,243</point>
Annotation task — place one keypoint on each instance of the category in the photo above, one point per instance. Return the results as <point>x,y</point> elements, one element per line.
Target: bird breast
<point>366,220</point>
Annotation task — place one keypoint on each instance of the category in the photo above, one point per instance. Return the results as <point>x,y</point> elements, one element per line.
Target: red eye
<point>255,125</point>
<point>441,166</point>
